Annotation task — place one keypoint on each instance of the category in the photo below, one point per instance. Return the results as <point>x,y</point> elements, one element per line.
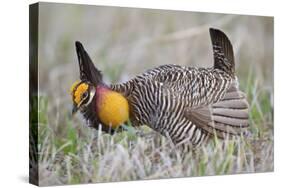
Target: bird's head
<point>90,93</point>
<point>82,95</point>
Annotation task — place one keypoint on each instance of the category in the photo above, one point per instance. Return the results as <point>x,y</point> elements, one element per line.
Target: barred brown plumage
<point>187,104</point>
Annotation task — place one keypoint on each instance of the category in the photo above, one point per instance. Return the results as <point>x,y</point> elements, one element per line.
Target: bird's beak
<point>74,109</point>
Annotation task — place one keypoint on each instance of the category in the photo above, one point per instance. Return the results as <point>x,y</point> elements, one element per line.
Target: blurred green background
<point>124,42</point>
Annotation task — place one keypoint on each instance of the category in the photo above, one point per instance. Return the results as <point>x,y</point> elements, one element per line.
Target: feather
<point>88,72</point>
<point>229,116</point>
<point>223,52</point>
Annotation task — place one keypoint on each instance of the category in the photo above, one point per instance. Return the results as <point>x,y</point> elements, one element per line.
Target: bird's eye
<point>84,95</point>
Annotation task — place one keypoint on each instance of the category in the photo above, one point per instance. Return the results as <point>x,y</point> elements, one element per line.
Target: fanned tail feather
<point>228,117</point>
<point>223,52</point>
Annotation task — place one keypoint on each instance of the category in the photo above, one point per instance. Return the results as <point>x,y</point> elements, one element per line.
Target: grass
<point>83,155</point>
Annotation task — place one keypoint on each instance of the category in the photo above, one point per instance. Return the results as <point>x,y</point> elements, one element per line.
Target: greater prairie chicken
<point>187,104</point>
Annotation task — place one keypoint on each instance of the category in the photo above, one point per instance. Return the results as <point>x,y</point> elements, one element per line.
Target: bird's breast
<point>112,108</point>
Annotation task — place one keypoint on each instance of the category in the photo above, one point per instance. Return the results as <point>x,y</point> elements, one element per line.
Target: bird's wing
<point>229,116</point>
